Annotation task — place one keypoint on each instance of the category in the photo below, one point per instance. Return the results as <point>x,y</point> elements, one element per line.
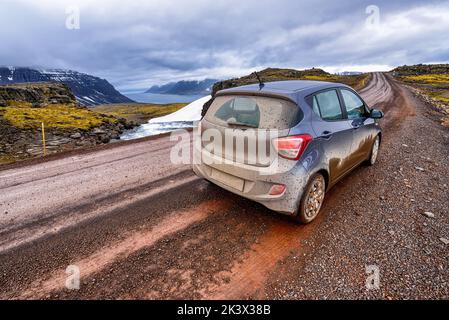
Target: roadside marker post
<point>43,140</point>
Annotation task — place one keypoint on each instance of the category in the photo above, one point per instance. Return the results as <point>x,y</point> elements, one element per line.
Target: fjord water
<point>162,98</point>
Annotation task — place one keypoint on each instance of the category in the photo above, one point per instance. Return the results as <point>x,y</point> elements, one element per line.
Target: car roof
<point>290,89</point>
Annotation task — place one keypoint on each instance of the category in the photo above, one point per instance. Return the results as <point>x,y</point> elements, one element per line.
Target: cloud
<point>138,43</point>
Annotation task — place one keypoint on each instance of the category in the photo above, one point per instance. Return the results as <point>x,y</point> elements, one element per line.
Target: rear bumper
<point>253,182</point>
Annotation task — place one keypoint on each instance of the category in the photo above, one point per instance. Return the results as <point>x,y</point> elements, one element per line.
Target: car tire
<point>312,199</point>
<point>374,153</point>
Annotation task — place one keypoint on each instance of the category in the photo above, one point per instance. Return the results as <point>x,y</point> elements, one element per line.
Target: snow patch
<point>89,99</point>
<point>181,119</point>
<point>191,112</point>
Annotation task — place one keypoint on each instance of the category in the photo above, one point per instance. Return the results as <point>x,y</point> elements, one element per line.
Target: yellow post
<point>43,139</point>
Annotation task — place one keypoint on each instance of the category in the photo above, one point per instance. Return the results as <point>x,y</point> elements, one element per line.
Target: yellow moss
<point>428,79</point>
<point>6,158</point>
<point>53,116</point>
<point>439,95</point>
<point>356,81</point>
<point>443,99</point>
<point>320,78</point>
<point>139,112</point>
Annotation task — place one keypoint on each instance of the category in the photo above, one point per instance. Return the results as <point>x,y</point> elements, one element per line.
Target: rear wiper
<point>234,122</point>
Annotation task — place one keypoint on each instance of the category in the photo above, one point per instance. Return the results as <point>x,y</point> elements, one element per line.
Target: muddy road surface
<point>137,226</point>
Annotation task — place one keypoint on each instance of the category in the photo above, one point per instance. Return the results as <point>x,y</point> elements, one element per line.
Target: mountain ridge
<point>184,87</point>
<point>88,89</point>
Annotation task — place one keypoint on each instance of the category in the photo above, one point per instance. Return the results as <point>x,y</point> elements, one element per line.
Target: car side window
<point>329,105</point>
<point>355,107</point>
<point>315,107</point>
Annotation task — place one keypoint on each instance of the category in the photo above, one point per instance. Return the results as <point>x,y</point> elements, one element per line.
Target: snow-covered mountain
<point>349,73</point>
<point>88,90</point>
<point>184,87</point>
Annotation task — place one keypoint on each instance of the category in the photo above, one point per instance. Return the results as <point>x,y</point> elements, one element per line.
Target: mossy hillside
<point>55,116</point>
<point>277,74</point>
<point>137,112</point>
<point>420,69</point>
<point>37,93</point>
<point>434,85</point>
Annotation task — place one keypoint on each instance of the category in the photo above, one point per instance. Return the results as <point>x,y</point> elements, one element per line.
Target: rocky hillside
<point>88,90</point>
<point>275,74</point>
<point>23,109</point>
<point>38,94</point>
<point>184,87</point>
<point>421,69</point>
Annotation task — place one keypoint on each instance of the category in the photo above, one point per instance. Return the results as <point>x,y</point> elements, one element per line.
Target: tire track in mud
<point>282,239</point>
<point>53,223</point>
<point>36,261</point>
<point>379,90</point>
<point>89,265</point>
<point>396,107</point>
<point>37,191</point>
<point>246,278</point>
<point>182,264</point>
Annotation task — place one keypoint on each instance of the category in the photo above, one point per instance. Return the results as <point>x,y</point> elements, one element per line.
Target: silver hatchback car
<point>284,144</point>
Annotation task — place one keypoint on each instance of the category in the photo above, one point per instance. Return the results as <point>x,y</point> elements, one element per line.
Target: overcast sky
<point>135,44</point>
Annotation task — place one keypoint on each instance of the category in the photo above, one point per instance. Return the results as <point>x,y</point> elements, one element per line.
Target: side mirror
<point>376,114</point>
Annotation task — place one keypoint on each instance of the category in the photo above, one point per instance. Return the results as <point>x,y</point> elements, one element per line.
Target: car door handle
<point>326,135</point>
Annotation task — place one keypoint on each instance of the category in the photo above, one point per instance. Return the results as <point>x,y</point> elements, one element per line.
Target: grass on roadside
<point>138,112</point>
<point>6,159</point>
<point>431,79</point>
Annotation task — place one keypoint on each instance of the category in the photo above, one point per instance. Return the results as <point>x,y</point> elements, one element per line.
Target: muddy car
<point>285,144</point>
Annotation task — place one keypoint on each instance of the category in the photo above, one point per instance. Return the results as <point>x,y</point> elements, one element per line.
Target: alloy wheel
<point>315,197</point>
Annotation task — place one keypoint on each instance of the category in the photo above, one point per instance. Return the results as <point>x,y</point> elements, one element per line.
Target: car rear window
<point>253,112</point>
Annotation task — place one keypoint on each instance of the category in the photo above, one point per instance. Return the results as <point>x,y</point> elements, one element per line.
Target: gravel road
<point>138,226</point>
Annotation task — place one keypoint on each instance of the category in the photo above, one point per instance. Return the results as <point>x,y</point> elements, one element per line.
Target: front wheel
<point>312,199</point>
<point>374,152</point>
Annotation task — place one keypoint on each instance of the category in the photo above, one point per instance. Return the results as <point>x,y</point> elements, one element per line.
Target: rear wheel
<point>312,199</point>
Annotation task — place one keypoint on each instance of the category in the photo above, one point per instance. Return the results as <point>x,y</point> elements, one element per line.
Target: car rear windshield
<point>253,112</point>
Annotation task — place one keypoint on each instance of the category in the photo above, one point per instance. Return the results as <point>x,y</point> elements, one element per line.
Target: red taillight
<point>292,147</point>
